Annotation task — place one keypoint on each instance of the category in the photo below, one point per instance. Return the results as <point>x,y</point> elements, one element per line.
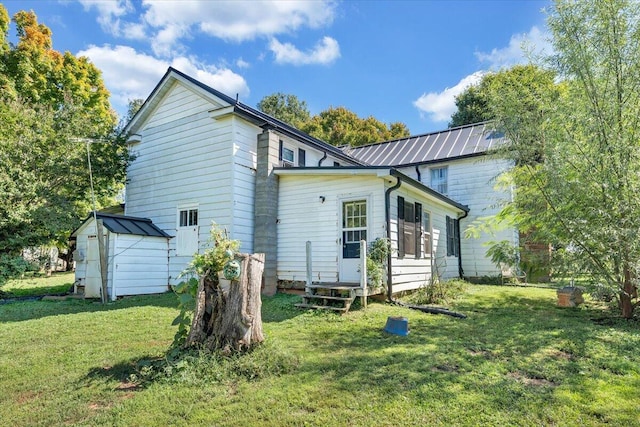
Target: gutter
<point>460,270</point>
<point>322,159</point>
<point>387,217</point>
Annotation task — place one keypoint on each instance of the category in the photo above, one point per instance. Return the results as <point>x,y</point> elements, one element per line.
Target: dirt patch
<point>127,386</point>
<point>28,396</point>
<point>445,368</point>
<point>531,380</point>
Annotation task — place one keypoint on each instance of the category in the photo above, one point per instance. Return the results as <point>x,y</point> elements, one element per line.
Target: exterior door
<point>93,278</point>
<point>354,229</point>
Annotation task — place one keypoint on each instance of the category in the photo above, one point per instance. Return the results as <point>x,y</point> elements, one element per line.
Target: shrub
<point>438,292</point>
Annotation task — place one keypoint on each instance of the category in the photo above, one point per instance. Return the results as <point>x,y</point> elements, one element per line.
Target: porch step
<point>323,307</point>
<point>335,297</point>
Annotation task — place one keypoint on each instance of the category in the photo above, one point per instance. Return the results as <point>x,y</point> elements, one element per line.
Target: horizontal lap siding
<point>472,182</point>
<point>408,272</point>
<point>184,157</point>
<point>302,217</point>
<point>138,264</point>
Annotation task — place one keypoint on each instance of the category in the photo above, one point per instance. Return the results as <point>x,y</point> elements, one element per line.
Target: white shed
<point>137,256</point>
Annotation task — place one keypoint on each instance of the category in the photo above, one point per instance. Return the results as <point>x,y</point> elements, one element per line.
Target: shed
<point>137,254</point>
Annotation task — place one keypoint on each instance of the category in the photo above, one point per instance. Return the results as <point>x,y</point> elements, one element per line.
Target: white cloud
<point>324,52</point>
<point>240,20</point>
<point>241,63</point>
<point>111,15</point>
<point>129,74</point>
<point>441,105</point>
<point>521,47</point>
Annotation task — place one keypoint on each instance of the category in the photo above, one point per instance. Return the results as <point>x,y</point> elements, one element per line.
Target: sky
<point>398,61</point>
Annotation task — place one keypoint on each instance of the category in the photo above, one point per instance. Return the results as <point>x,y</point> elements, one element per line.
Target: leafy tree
<point>579,185</point>
<point>485,101</point>
<point>337,126</point>
<point>287,108</point>
<point>50,106</point>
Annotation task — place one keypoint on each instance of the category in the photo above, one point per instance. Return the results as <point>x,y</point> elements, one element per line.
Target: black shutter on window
<point>280,147</point>
<point>302,157</point>
<point>418,229</point>
<point>400,227</point>
<point>449,236</point>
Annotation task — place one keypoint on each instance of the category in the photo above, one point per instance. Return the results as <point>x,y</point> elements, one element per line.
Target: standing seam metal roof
<point>463,141</point>
<point>128,225</point>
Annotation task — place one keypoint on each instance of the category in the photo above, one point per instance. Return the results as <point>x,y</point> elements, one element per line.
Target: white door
<point>93,277</point>
<point>354,228</point>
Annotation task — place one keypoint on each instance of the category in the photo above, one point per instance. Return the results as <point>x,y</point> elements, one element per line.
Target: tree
<point>337,126</point>
<point>287,108</point>
<point>484,101</point>
<point>580,184</point>
<point>50,106</point>
<point>340,126</point>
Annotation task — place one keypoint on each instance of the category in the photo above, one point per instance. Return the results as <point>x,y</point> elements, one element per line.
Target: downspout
<point>387,216</point>
<point>460,270</point>
<point>322,159</point>
<point>418,174</point>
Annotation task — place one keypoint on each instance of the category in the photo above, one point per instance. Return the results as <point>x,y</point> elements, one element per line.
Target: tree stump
<point>229,318</point>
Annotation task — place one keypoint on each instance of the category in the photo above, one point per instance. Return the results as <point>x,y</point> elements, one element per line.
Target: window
<point>187,232</point>
<point>439,180</point>
<point>188,217</point>
<point>286,155</point>
<point>409,228</point>
<point>453,237</point>
<point>302,157</point>
<point>426,232</point>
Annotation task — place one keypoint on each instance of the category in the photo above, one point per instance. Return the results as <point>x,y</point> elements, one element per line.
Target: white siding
<point>303,216</point>
<point>185,157</point>
<point>137,265</point>
<point>409,272</point>
<point>471,182</point>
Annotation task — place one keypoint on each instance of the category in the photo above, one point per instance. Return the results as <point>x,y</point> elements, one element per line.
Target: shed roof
<point>122,224</point>
<point>459,142</point>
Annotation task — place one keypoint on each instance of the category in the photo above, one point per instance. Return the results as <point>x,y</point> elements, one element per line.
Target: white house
<point>203,157</point>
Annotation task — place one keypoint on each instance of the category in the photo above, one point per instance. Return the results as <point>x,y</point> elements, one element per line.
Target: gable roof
<point>255,116</point>
<point>122,224</point>
<point>455,143</point>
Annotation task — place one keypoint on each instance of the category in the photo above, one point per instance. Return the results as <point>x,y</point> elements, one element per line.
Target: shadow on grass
<point>29,310</point>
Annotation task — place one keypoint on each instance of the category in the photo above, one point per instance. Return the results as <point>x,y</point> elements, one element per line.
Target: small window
<point>188,217</point>
<point>439,180</point>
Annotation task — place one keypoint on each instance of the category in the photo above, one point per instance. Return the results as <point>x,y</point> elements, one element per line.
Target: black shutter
<point>302,157</point>
<point>449,236</point>
<point>280,147</point>
<point>456,238</point>
<point>400,227</point>
<point>418,232</point>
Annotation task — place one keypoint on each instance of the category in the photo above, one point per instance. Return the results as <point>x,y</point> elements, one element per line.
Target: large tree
<point>479,102</point>
<point>335,125</point>
<point>580,184</point>
<point>51,106</point>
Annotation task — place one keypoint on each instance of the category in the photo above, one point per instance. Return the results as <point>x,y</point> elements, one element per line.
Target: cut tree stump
<point>229,318</point>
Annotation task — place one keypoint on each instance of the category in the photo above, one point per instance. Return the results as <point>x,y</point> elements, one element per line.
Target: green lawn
<point>516,360</point>
<point>57,283</point>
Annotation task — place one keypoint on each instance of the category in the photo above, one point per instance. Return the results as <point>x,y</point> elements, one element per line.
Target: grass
<point>57,283</point>
<point>516,360</point>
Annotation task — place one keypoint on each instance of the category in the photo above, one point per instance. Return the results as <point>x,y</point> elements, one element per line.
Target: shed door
<point>354,229</point>
<point>93,283</point>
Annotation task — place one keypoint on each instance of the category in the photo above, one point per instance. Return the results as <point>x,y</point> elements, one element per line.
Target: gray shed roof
<point>459,142</point>
<point>127,225</point>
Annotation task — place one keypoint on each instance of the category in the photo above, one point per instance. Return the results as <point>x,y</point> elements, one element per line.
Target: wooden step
<point>333,287</point>
<point>323,307</point>
<point>327,297</point>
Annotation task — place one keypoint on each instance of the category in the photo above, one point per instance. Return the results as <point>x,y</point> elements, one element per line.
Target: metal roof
<point>128,225</point>
<point>459,142</point>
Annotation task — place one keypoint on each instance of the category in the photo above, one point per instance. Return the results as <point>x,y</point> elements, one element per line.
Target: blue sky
<point>394,60</point>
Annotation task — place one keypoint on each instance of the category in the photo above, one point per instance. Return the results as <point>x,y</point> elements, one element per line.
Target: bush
<point>438,292</point>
